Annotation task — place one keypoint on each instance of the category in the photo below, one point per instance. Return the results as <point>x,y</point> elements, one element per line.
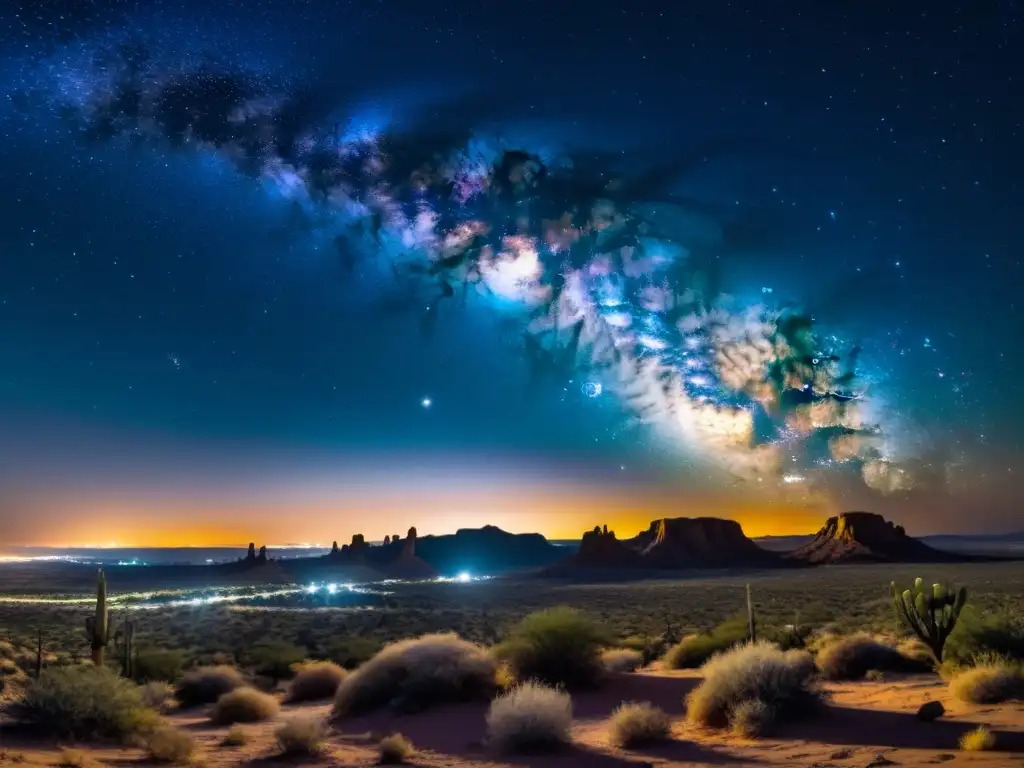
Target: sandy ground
<point>866,725</point>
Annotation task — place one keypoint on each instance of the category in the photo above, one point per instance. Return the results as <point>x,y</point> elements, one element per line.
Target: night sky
<point>286,271</point>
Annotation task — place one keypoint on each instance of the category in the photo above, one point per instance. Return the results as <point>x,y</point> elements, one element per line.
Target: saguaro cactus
<point>97,628</point>
<point>751,622</point>
<point>124,640</point>
<point>931,614</point>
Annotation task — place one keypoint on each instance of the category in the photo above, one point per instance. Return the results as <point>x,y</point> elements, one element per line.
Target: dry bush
<point>621,660</point>
<point>235,737</point>
<point>206,685</point>
<point>691,652</point>
<point>751,718</point>
<point>782,680</point>
<point>559,646</point>
<point>86,702</point>
<point>418,673</point>
<point>852,657</point>
<point>633,725</point>
<point>301,736</point>
<point>170,745</point>
<point>75,758</point>
<point>315,680</point>
<point>157,694</point>
<point>989,684</point>
<point>530,717</point>
<point>981,739</point>
<point>395,749</point>
<point>244,705</point>
<point>158,664</point>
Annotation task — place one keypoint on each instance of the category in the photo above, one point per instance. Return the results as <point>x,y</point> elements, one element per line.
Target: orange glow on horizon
<point>558,512</point>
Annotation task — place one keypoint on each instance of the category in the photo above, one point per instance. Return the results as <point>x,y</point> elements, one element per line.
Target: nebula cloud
<point>599,260</point>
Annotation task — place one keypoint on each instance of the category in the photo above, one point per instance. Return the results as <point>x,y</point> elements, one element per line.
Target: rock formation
<point>487,551</point>
<point>684,542</point>
<point>669,544</point>
<point>865,537</point>
<point>600,548</point>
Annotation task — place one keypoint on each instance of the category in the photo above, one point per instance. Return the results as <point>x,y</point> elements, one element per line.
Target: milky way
<point>610,276</point>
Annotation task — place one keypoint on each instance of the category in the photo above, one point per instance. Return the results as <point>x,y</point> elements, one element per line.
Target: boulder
<point>931,710</point>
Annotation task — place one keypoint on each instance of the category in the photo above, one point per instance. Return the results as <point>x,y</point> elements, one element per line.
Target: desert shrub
<point>633,725</point>
<point>350,652</point>
<point>86,702</point>
<point>621,660</point>
<point>394,749</point>
<point>782,680</point>
<point>158,664</point>
<point>691,652</point>
<point>75,758</point>
<point>977,636</point>
<point>980,739</point>
<point>530,717</point>
<point>157,694</point>
<point>171,745</point>
<point>235,737</point>
<point>989,684</point>
<point>301,736</point>
<point>207,684</point>
<point>750,718</point>
<point>315,680</point>
<point>244,705</point>
<point>418,673</point>
<point>559,646</point>
<point>275,660</point>
<point>852,657</point>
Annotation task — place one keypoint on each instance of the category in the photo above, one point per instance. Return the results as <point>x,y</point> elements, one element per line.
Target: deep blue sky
<point>171,328</point>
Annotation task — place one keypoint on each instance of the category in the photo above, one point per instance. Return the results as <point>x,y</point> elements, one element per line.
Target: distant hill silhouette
<point>865,537</point>
<point>669,544</point>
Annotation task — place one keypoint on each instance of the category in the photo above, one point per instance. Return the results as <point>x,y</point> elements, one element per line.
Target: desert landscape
<point>620,653</point>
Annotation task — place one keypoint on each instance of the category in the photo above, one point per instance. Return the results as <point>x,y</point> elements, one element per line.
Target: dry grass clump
<point>207,684</point>
<point>394,749</point>
<point>852,657</point>
<point>691,652</point>
<point>157,694</point>
<point>530,717</point>
<point>418,673</point>
<point>622,660</point>
<point>244,705</point>
<point>170,745</point>
<point>86,702</point>
<point>750,718</point>
<point>559,646</point>
<point>315,680</point>
<point>991,684</point>
<point>75,758</point>
<point>780,680</point>
<point>637,724</point>
<point>301,736</point>
<point>235,737</point>
<point>981,739</point>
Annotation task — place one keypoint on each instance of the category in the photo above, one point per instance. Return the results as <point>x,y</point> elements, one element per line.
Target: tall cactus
<point>930,614</point>
<point>97,628</point>
<point>124,642</point>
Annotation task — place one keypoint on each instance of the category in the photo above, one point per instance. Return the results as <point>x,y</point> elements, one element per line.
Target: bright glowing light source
<point>791,479</point>
<point>312,588</point>
<point>463,577</point>
<point>332,588</point>
<point>426,402</point>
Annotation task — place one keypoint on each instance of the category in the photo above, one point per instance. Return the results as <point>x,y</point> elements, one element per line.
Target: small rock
<point>931,710</point>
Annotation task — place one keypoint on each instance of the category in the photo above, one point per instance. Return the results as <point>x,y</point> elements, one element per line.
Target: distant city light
<point>791,479</point>
<point>312,588</point>
<point>464,577</point>
<point>332,588</point>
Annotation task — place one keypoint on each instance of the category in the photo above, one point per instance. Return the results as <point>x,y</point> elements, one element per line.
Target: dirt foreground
<point>866,725</point>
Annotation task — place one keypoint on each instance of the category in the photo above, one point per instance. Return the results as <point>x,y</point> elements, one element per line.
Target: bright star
<point>426,402</point>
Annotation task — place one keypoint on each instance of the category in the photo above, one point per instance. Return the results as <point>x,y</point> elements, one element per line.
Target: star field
<point>276,234</point>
